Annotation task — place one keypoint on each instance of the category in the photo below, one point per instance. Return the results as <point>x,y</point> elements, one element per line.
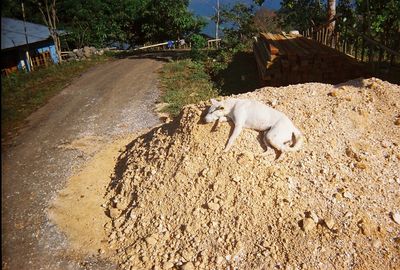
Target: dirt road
<point>109,100</point>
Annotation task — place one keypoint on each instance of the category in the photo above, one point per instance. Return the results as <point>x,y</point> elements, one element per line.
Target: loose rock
<point>213,206</point>
<point>308,225</point>
<point>396,217</point>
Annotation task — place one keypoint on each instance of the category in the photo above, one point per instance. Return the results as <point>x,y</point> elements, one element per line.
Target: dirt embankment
<point>176,201</point>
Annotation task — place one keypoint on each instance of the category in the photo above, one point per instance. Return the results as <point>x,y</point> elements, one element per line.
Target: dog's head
<point>216,111</point>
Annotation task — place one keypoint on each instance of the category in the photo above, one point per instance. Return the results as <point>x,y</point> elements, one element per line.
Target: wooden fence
<point>379,58</point>
<point>177,45</point>
<point>37,60</point>
<point>41,60</point>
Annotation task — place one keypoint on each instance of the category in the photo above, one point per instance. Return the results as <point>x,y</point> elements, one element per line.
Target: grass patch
<point>184,82</point>
<point>23,93</point>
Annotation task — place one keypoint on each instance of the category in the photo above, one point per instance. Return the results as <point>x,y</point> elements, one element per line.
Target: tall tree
<point>331,14</point>
<point>301,14</point>
<point>381,20</point>
<point>161,20</point>
<point>238,22</point>
<point>265,20</point>
<point>49,13</point>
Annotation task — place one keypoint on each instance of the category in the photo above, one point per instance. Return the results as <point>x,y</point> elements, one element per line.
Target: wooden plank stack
<point>284,59</point>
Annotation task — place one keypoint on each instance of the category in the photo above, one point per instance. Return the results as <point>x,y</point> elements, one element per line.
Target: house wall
<point>16,57</point>
<point>52,48</point>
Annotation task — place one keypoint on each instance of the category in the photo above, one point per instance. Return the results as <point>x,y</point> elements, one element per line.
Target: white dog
<point>245,113</point>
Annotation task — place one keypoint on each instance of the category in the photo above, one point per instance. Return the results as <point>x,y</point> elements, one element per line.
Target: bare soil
<point>107,103</point>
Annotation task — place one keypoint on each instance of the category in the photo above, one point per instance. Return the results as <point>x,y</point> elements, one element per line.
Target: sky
<point>206,9</point>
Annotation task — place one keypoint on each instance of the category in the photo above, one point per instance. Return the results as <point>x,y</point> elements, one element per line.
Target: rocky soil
<point>176,201</point>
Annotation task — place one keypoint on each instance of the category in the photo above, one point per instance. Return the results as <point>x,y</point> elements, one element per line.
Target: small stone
<point>367,226</point>
<point>329,222</point>
<point>236,178</point>
<point>167,265</point>
<point>396,217</point>
<point>151,240</point>
<point>308,224</point>
<point>114,213</point>
<point>204,172</point>
<point>187,255</point>
<point>188,266</point>
<point>219,260</point>
<point>385,144</point>
<point>347,195</point>
<point>213,206</point>
<point>348,215</point>
<point>314,217</point>
<point>361,165</point>
<point>397,122</point>
<point>376,243</point>
<point>334,93</point>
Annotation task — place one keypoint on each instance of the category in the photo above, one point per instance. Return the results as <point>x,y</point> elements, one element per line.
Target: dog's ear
<point>214,102</point>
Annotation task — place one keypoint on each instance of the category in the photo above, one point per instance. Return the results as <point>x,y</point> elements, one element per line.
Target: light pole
<point>217,23</point>
<point>28,59</point>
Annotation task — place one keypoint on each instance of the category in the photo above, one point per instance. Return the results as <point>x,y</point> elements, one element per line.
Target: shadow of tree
<point>164,56</point>
<point>240,76</point>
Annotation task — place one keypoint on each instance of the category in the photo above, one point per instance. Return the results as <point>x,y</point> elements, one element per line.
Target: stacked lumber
<point>284,59</point>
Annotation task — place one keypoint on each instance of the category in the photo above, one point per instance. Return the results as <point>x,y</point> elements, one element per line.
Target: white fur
<point>245,113</point>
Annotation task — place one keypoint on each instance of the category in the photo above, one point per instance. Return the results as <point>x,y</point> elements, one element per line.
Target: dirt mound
<point>178,202</point>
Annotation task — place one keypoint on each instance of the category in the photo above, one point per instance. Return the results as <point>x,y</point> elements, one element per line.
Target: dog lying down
<point>245,113</point>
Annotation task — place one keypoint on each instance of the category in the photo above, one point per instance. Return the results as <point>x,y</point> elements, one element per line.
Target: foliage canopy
<point>101,22</point>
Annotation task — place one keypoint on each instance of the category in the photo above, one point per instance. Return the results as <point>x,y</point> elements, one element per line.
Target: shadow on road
<point>164,56</point>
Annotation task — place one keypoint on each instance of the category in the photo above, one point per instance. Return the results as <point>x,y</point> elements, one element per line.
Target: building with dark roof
<point>22,41</point>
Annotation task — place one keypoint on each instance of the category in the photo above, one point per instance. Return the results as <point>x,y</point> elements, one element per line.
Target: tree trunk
<point>331,14</point>
<point>331,27</point>
<point>50,18</point>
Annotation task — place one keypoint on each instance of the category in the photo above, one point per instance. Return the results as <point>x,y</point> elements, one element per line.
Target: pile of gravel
<point>178,202</point>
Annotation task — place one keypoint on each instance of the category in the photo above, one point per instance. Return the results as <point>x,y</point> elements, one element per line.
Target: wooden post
<point>362,50</point>
<point>380,58</point>
<point>370,62</point>
<point>356,48</point>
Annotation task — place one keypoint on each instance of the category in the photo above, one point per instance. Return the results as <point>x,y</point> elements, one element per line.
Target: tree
<point>331,14</point>
<point>265,20</point>
<point>301,14</point>
<point>238,22</point>
<point>165,20</point>
<point>98,22</point>
<point>13,9</point>
<point>49,13</point>
<point>380,19</point>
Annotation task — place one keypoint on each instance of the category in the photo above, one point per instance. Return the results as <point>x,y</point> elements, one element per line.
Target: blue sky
<point>205,8</point>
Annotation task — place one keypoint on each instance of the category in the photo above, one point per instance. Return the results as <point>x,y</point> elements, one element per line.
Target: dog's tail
<point>299,140</point>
